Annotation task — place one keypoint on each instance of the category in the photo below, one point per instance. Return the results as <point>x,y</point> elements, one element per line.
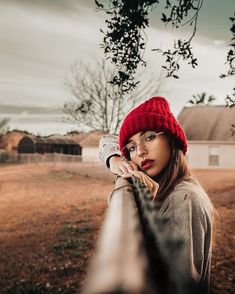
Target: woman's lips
<point>146,164</point>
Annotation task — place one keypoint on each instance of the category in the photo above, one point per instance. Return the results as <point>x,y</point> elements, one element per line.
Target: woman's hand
<point>127,169</point>
<point>118,166</point>
<point>150,183</point>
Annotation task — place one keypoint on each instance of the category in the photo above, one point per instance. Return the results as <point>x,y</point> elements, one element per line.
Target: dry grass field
<point>50,219</point>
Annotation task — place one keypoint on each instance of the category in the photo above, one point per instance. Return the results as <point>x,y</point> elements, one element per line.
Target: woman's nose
<point>141,150</point>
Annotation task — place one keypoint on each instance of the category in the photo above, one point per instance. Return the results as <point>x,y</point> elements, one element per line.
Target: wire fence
<point>39,158</point>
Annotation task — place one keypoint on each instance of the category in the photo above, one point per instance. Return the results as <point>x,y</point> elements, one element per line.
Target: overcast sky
<point>41,39</point>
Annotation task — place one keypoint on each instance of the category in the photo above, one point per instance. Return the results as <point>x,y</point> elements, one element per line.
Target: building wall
<point>90,154</point>
<point>198,154</point>
<point>211,154</point>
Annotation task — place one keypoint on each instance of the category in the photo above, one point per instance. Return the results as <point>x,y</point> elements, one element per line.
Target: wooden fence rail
<point>120,264</point>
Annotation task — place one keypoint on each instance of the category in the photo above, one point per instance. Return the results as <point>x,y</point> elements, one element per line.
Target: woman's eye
<point>150,137</point>
<point>132,148</point>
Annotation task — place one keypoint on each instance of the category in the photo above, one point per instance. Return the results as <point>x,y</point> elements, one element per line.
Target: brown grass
<point>50,219</point>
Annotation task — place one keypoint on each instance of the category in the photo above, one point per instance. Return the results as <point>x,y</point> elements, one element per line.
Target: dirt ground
<point>50,219</point>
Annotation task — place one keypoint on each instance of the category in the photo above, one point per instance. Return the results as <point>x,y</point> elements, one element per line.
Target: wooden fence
<point>120,264</point>
<point>39,158</point>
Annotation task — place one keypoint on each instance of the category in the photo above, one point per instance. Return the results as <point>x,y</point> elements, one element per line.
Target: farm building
<point>10,140</point>
<point>48,145</point>
<point>26,143</point>
<point>89,143</point>
<point>210,137</point>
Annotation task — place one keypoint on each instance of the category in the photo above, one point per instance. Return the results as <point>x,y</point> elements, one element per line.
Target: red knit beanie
<point>153,115</point>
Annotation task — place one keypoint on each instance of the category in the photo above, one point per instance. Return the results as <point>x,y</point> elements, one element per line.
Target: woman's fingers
<point>131,173</point>
<point>119,167</point>
<point>127,167</point>
<point>132,165</point>
<point>150,183</point>
<point>126,176</point>
<point>136,173</point>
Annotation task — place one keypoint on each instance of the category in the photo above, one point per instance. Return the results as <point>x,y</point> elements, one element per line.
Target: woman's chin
<point>152,172</point>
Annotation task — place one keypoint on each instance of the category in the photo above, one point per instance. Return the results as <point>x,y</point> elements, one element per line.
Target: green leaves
<point>230,99</point>
<point>182,50</point>
<point>202,99</point>
<point>124,40</point>
<point>230,58</point>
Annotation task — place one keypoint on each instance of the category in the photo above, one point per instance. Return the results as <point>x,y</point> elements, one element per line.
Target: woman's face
<point>150,151</point>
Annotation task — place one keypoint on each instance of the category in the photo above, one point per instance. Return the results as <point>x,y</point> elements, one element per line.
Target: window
<point>213,155</point>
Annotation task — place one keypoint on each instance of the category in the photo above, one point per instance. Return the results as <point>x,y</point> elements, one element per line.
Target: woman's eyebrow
<point>141,134</point>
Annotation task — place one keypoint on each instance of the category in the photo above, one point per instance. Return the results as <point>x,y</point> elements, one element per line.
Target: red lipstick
<point>147,163</point>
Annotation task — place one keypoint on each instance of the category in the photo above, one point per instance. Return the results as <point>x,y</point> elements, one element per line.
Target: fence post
<point>120,263</point>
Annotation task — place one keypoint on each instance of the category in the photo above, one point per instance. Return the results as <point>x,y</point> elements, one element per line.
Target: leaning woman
<point>152,147</point>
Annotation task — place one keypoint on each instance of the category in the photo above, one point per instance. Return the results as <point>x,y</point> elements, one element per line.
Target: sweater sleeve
<point>189,220</point>
<point>108,147</point>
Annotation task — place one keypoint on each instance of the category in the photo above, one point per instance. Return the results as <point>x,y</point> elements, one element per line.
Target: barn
<point>210,135</point>
<point>29,144</point>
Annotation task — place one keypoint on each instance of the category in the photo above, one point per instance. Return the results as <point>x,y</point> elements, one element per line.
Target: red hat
<point>153,115</point>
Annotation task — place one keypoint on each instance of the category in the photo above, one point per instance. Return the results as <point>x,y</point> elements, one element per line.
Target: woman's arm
<point>108,148</point>
<point>110,155</point>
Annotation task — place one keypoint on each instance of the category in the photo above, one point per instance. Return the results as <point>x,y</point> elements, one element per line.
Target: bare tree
<point>3,125</point>
<point>202,99</point>
<point>96,103</point>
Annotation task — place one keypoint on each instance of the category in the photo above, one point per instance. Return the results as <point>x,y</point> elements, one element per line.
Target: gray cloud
<point>40,39</point>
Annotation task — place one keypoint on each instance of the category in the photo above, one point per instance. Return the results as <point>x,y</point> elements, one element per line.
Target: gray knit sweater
<point>189,213</point>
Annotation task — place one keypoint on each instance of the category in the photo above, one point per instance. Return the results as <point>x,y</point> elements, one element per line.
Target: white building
<point>210,135</point>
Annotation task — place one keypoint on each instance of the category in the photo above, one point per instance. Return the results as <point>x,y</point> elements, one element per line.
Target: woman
<point>152,147</point>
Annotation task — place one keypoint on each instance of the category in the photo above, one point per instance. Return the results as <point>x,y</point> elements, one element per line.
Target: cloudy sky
<point>41,39</point>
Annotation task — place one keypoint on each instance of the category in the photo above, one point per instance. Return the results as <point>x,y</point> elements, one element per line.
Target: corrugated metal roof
<point>55,141</point>
<point>208,123</point>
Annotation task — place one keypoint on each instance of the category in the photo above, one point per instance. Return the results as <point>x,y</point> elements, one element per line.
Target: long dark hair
<point>176,171</point>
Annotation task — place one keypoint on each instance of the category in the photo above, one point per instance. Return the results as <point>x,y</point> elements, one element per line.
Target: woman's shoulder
<point>189,184</point>
<point>191,193</point>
